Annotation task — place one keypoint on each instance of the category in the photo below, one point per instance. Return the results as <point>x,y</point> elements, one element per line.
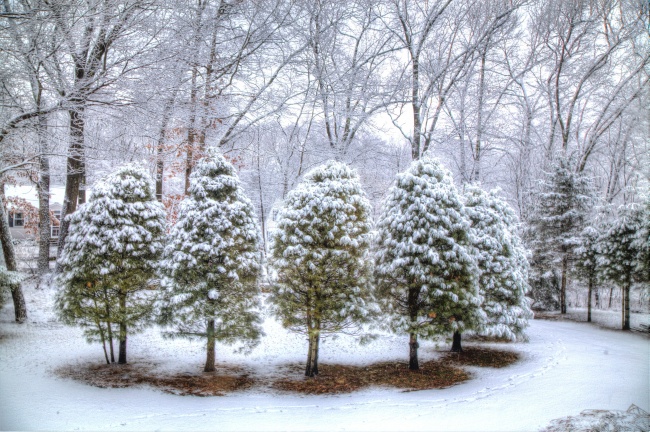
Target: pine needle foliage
<point>564,201</point>
<point>320,253</point>
<point>425,268</point>
<point>212,262</point>
<point>502,263</point>
<point>622,252</point>
<point>111,254</point>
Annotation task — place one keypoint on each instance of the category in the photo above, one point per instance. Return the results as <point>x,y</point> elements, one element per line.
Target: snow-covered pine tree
<point>110,257</point>
<point>212,262</point>
<point>502,263</point>
<point>563,203</point>
<point>320,252</point>
<point>425,268</point>
<point>586,262</point>
<point>620,252</point>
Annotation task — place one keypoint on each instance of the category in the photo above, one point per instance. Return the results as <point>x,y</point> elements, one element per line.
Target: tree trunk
<point>415,104</point>
<point>563,285</point>
<point>74,172</point>
<point>311,369</point>
<point>110,327</point>
<point>103,338</point>
<point>122,354</point>
<point>44,230</point>
<point>309,353</point>
<point>110,342</point>
<point>476,172</point>
<point>20,308</point>
<point>455,345</point>
<point>414,364</point>
<point>591,288</point>
<point>412,300</point>
<point>160,147</point>
<point>191,132</point>
<point>314,367</point>
<point>611,294</point>
<point>210,357</point>
<point>626,306</point>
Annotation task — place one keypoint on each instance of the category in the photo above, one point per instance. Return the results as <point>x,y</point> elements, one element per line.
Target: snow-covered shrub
<point>212,262</point>
<point>502,263</point>
<point>110,256</point>
<point>320,253</point>
<point>425,268</point>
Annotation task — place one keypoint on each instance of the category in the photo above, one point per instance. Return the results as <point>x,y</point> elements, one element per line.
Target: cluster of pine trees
<point>437,262</point>
<point>574,236</point>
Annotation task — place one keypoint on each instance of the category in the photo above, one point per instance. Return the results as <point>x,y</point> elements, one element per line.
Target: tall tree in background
<point>348,48</point>
<point>564,201</point>
<point>212,262</point>
<point>320,254</point>
<point>593,64</point>
<point>425,266</point>
<point>238,51</point>
<point>115,243</point>
<point>441,39</point>
<point>28,54</point>
<point>88,62</point>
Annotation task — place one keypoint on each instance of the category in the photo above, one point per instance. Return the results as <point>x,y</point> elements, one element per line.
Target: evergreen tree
<point>111,254</point>
<point>621,252</point>
<point>320,253</point>
<point>425,268</point>
<point>212,262</point>
<point>586,262</point>
<point>502,263</point>
<point>564,200</point>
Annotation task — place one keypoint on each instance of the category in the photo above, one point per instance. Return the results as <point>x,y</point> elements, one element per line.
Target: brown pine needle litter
<point>332,379</point>
<point>483,357</point>
<point>226,379</point>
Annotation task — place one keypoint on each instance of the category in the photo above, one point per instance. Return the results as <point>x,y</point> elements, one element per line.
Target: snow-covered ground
<point>566,368</point>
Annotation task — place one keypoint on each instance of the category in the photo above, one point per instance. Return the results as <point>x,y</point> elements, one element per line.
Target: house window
<point>19,219</point>
<point>55,224</point>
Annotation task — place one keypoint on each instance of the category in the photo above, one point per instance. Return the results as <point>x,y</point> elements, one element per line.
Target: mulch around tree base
<point>226,379</point>
<point>483,357</point>
<point>334,378</point>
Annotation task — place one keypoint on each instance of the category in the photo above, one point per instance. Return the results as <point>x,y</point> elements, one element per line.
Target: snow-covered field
<point>566,368</point>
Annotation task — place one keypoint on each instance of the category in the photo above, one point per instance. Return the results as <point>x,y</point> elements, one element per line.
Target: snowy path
<point>567,367</point>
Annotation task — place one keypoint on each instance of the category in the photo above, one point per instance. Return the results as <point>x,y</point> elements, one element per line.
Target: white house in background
<point>19,217</point>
